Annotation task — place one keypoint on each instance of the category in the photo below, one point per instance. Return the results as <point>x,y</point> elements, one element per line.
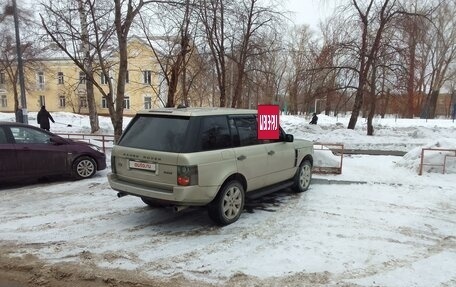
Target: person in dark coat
<point>314,119</point>
<point>43,118</point>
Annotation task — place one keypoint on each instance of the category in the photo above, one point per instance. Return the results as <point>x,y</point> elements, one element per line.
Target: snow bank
<point>433,160</point>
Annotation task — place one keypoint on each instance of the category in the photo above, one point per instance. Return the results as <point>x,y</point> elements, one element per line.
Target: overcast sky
<point>309,11</point>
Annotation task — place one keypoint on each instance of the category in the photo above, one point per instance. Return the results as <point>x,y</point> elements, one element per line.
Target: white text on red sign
<point>268,122</point>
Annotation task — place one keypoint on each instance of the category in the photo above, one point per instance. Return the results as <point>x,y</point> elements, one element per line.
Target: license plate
<point>142,165</point>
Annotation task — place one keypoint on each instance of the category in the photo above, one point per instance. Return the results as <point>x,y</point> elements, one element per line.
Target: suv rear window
<point>156,133</point>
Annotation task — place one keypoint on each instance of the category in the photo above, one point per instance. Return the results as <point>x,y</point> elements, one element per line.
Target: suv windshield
<point>156,133</point>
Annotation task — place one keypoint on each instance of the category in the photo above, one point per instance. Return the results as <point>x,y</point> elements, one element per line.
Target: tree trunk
<point>411,79</point>
<point>117,119</point>
<point>238,88</point>
<point>93,113</point>
<point>356,109</point>
<point>372,103</point>
<point>433,103</point>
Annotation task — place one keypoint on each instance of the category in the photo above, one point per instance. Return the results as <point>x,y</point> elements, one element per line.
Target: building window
<point>42,101</point>
<point>3,101</point>
<point>62,101</point>
<point>83,102</point>
<point>147,77</point>
<point>126,103</point>
<point>82,78</point>
<point>40,80</point>
<point>60,78</point>
<point>104,79</point>
<point>127,77</point>
<point>147,103</point>
<point>2,78</point>
<point>104,103</point>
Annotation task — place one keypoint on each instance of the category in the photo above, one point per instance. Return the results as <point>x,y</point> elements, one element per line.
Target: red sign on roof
<point>268,122</point>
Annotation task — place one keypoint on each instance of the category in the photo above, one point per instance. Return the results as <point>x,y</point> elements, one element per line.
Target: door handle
<point>271,152</point>
<point>241,157</point>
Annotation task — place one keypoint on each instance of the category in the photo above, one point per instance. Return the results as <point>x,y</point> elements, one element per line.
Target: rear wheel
<point>84,167</point>
<point>303,177</point>
<point>228,205</point>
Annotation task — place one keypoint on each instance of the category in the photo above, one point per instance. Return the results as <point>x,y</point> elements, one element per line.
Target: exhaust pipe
<point>178,208</point>
<point>121,194</point>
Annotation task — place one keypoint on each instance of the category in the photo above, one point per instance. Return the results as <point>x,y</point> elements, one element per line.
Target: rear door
<point>8,161</point>
<point>36,155</point>
<point>251,155</point>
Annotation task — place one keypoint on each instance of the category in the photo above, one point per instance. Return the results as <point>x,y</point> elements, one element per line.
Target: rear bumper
<point>180,195</point>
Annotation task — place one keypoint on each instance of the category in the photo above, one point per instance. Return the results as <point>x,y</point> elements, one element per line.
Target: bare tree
<point>174,47</point>
<point>79,33</point>
<point>8,52</point>
<point>100,44</point>
<point>251,19</point>
<point>442,47</point>
<point>212,15</point>
<point>367,51</point>
<point>299,75</point>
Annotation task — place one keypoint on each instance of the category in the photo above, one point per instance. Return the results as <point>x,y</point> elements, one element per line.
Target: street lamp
<point>20,65</point>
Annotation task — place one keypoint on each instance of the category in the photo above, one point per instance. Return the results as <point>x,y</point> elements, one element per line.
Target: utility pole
<point>20,64</point>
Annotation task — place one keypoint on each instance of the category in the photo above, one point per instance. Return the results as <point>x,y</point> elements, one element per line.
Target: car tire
<point>303,177</point>
<point>228,205</point>
<point>84,167</point>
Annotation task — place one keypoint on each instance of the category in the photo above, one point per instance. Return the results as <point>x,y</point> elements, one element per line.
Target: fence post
<point>421,163</point>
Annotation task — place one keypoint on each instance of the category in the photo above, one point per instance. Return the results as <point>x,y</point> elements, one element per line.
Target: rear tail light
<point>187,175</point>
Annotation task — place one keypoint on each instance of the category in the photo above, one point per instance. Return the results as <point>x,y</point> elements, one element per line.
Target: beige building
<point>59,84</point>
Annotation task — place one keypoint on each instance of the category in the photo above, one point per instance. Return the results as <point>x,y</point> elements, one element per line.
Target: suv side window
<point>215,133</point>
<point>247,133</point>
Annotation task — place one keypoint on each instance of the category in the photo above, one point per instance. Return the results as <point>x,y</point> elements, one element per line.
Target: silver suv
<point>212,157</point>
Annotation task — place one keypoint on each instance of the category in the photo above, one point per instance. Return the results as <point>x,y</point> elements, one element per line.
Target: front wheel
<point>303,177</point>
<point>84,167</point>
<point>228,205</point>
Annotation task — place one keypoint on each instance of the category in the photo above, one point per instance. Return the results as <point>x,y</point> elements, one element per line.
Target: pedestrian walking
<point>314,119</point>
<point>43,118</point>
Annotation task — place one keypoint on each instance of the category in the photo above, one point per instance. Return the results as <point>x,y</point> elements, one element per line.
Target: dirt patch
<point>29,271</point>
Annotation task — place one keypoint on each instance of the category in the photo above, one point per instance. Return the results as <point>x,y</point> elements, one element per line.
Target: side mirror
<point>289,138</point>
<point>57,140</point>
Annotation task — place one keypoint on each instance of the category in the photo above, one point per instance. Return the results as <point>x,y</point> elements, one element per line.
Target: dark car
<point>27,152</point>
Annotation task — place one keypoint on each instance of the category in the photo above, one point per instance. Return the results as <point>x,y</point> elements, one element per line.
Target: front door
<point>36,155</point>
<point>8,161</point>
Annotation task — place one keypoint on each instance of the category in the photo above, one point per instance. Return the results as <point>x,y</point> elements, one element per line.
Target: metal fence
<point>103,141</point>
<point>440,162</point>
<point>330,159</point>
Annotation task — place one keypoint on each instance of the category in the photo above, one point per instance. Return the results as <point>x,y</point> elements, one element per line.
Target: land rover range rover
<point>210,157</point>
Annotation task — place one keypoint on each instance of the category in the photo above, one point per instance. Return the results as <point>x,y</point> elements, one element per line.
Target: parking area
<point>386,229</point>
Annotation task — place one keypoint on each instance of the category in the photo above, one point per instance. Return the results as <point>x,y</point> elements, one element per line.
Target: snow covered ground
<point>378,223</point>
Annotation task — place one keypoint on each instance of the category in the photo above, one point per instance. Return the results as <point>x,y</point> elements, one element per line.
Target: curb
<point>333,181</point>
